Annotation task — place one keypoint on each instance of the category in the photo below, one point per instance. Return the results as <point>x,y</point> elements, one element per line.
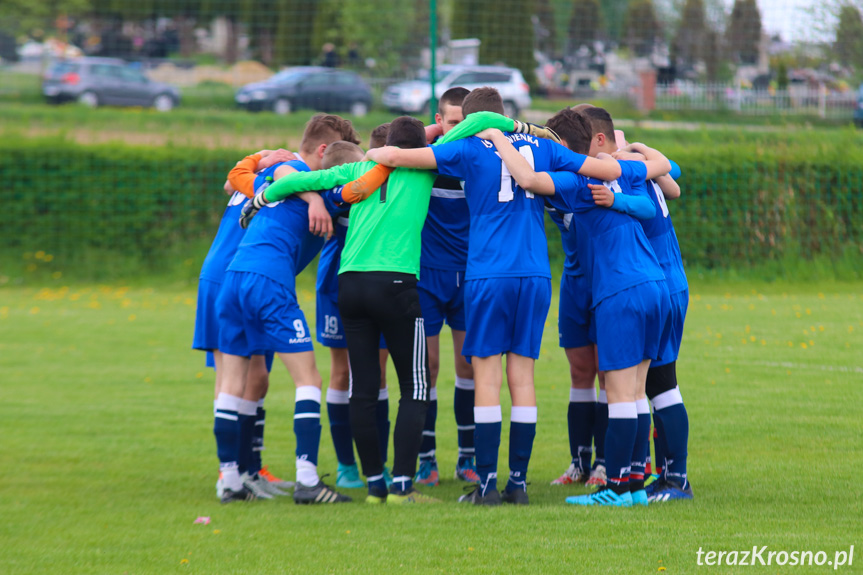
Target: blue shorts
<point>630,324</point>
<point>257,315</point>
<point>206,320</point>
<point>670,347</point>
<point>574,322</point>
<point>441,298</point>
<point>328,320</point>
<point>505,315</point>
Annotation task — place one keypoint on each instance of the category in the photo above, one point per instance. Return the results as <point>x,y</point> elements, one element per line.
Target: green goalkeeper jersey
<point>386,228</point>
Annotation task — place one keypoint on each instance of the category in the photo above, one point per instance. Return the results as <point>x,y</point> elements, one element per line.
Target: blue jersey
<point>615,254</point>
<point>331,255</point>
<point>660,231</point>
<point>225,244</point>
<point>507,233</point>
<point>277,245</point>
<point>566,224</point>
<point>445,233</point>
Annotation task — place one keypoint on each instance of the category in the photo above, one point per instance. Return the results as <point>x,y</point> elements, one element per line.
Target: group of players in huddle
<point>449,228</point>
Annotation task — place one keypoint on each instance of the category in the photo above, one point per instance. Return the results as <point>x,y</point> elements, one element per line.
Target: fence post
<point>647,92</point>
<point>433,68</point>
<point>822,100</point>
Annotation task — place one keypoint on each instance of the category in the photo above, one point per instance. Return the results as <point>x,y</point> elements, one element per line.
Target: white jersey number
<point>507,184</point>
<point>300,328</point>
<point>661,197</point>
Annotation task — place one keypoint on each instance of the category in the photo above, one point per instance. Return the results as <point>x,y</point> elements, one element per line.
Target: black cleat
<point>516,497</point>
<point>320,493</point>
<point>477,498</point>
<point>243,494</point>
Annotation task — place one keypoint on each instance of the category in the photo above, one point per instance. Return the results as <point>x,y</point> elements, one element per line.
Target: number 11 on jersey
<point>507,184</point>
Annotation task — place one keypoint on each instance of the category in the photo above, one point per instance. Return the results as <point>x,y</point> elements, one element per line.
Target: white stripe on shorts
<point>420,376</point>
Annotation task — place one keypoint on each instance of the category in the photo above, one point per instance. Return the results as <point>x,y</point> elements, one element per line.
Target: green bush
<point>775,208</point>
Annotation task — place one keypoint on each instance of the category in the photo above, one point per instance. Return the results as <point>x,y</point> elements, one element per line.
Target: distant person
<point>329,57</point>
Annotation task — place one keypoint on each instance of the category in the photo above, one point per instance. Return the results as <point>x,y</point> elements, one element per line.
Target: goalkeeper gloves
<point>250,208</point>
<point>535,130</point>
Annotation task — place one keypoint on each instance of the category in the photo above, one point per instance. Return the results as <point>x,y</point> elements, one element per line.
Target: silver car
<point>106,82</point>
<point>415,96</point>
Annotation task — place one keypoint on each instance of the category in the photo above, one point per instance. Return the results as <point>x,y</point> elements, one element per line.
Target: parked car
<point>105,81</point>
<point>415,96</point>
<point>858,110</point>
<point>317,88</point>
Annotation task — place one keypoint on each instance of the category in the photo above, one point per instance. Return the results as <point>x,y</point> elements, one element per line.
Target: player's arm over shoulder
<point>522,172</point>
<point>292,183</point>
<point>394,157</point>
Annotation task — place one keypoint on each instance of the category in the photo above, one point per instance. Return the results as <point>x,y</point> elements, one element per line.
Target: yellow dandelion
<point>798,314</point>
<point>216,531</point>
<point>57,275</point>
<point>763,342</point>
<point>820,295</point>
<point>147,380</point>
<point>820,328</point>
<point>727,370</point>
<point>199,375</point>
<point>709,307</point>
<point>697,297</point>
<point>40,255</point>
<point>31,267</point>
<point>773,311</point>
<point>808,311</point>
<point>850,328</point>
<point>790,344</point>
<point>751,306</point>
<point>133,317</point>
<point>48,257</point>
<point>747,329</point>
<point>183,561</point>
<point>718,336</point>
<point>803,345</point>
<point>34,310</point>
<point>811,343</point>
<point>94,304</point>
<point>752,338</point>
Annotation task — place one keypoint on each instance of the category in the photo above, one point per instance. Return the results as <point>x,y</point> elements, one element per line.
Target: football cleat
<point>515,497</point>
<point>280,483</point>
<point>220,486</point>
<point>669,491</point>
<point>650,479</point>
<point>388,477</point>
<point>605,497</point>
<point>320,493</point>
<point>476,497</point>
<point>411,496</point>
<point>427,474</point>
<point>242,494</point>
<point>253,484</point>
<point>348,477</point>
<point>639,497</point>
<point>597,476</point>
<point>467,471</point>
<point>573,474</point>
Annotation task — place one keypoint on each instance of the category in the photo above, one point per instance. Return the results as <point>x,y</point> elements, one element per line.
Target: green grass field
<point>108,454</point>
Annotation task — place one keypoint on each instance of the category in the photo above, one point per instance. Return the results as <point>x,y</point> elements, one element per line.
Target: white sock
<point>307,473</point>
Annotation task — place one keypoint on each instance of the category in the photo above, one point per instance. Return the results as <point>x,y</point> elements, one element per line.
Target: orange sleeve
<point>242,177</point>
<point>365,185</point>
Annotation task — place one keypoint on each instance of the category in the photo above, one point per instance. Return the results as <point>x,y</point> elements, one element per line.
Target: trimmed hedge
<point>774,209</point>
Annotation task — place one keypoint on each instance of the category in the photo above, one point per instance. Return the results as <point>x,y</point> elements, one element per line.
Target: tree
<point>688,46</point>
<point>743,36</point>
<point>642,26</point>
<point>849,37</point>
<point>585,24</point>
<point>468,17</point>
<point>546,30</point>
<point>385,39</point>
<point>507,38</point>
<point>293,42</point>
<point>613,17</point>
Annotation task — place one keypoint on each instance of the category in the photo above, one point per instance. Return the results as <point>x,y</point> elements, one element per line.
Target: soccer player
<point>377,294</point>
<point>670,420</point>
<point>507,283</point>
<point>206,338</point>
<point>331,334</point>
<point>629,300</point>
<point>258,311</point>
<point>441,290</point>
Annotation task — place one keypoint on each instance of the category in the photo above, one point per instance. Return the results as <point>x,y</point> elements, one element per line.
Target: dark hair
<point>573,128</point>
<point>378,139</point>
<point>600,121</point>
<point>452,97</point>
<point>326,129</point>
<point>406,132</point>
<point>483,99</point>
<point>341,152</point>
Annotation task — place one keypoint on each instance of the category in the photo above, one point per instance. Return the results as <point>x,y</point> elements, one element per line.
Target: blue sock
<point>307,423</point>
<point>428,444</point>
<point>339,412</point>
<point>401,484</point>
<point>487,440</point>
<point>641,448</point>
<point>674,425</point>
<point>383,414</point>
<point>258,439</point>
<point>377,485</point>
<point>463,407</point>
<point>619,443</point>
<point>522,431</point>
<point>580,419</point>
<point>226,428</point>
<point>600,426</point>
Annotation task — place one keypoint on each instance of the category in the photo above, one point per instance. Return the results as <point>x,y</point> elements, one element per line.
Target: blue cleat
<point>428,473</point>
<point>348,477</point>
<point>639,497</point>
<point>605,497</point>
<point>466,471</point>
<point>388,477</point>
<point>651,479</point>
<point>669,491</point>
